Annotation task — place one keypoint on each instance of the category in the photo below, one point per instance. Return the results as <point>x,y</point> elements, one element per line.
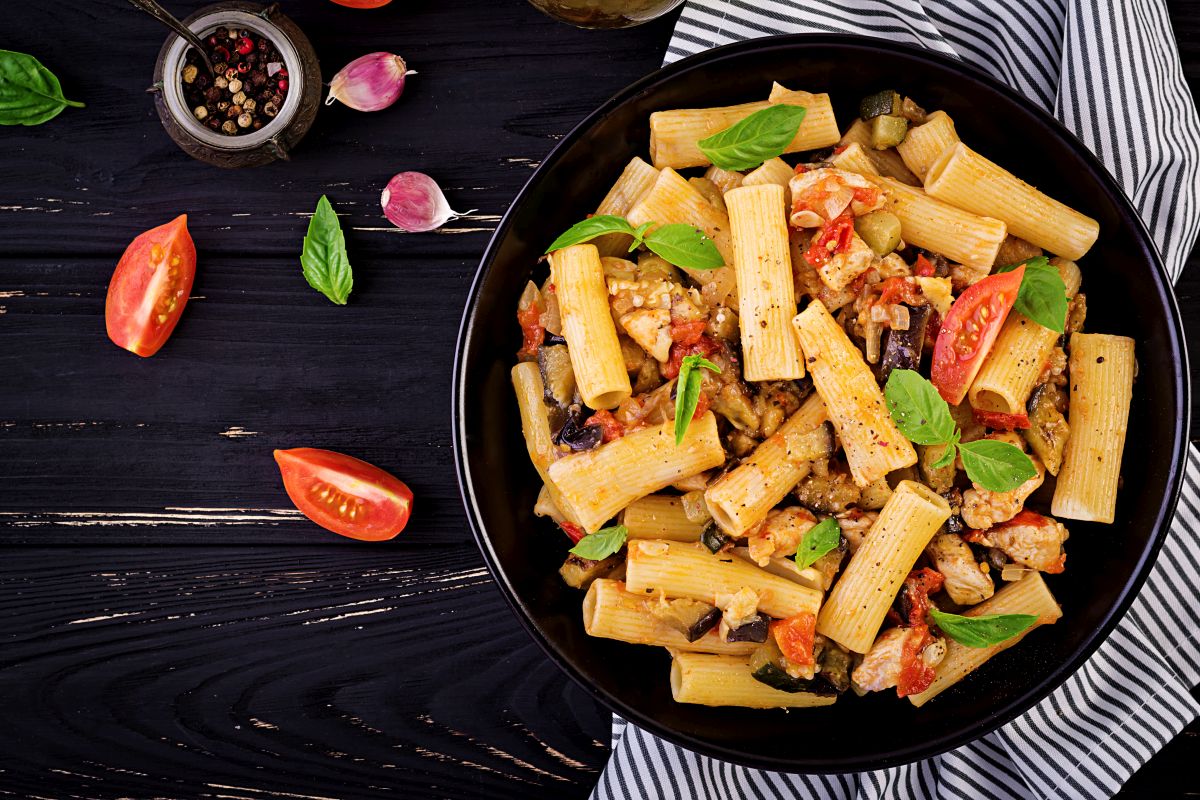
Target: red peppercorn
<point>243,68</point>
<point>245,45</point>
<point>282,72</point>
<point>220,53</point>
<point>283,84</point>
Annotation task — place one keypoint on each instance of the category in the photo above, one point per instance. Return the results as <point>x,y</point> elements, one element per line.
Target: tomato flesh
<point>795,636</point>
<point>969,331</point>
<point>999,421</point>
<point>915,675</point>
<point>150,287</point>
<point>345,495</point>
<point>832,239</point>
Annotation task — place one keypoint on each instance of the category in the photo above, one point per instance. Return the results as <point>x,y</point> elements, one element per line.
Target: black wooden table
<point>171,627</point>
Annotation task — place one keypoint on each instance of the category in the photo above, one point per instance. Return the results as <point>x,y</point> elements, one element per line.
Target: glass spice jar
<point>284,98</point>
<point>605,13</point>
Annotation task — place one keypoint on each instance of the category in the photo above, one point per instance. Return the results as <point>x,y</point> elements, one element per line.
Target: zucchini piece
<point>880,230</point>
<point>767,665</point>
<point>558,378</point>
<point>887,131</point>
<point>715,540</point>
<point>777,678</point>
<point>886,102</point>
<point>579,572</point>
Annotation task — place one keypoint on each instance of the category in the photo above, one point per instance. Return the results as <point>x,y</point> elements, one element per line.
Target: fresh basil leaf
<point>984,630</point>
<point>919,411</point>
<point>761,136</point>
<point>820,539</point>
<point>639,235</point>
<point>996,466</point>
<point>687,392</point>
<point>30,94</point>
<point>1043,297</point>
<point>1036,261</point>
<point>323,259</point>
<point>601,544</point>
<point>947,456</point>
<point>684,246</point>
<point>589,229</point>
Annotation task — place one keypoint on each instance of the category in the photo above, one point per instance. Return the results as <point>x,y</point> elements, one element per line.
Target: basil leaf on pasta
<point>996,466</point>
<point>919,411</point>
<point>759,137</point>
<point>589,229</point>
<point>1043,295</point>
<point>684,246</point>
<point>982,631</point>
<point>820,539</point>
<point>687,392</point>
<point>601,544</point>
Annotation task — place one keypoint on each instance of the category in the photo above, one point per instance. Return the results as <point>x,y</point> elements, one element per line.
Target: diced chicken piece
<point>780,534</point>
<point>1029,539</point>
<point>982,509</point>
<point>650,328</point>
<point>893,266</point>
<point>884,666</point>
<point>819,195</point>
<point>855,524</point>
<point>966,583</point>
<point>738,608</point>
<point>842,268</point>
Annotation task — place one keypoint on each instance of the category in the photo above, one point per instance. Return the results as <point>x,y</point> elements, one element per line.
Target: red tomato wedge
<point>342,494</point>
<point>969,331</point>
<point>150,287</point>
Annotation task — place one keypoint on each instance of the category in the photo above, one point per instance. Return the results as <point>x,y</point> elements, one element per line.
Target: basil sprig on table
<point>924,417</point>
<point>679,244</point>
<point>30,94</point>
<point>323,259</point>
<point>759,137</point>
<point>687,391</point>
<point>820,539</point>
<point>984,630</point>
<point>601,544</point>
<point>1043,295</point>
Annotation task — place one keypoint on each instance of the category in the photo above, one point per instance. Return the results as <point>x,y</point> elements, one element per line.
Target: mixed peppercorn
<point>249,86</point>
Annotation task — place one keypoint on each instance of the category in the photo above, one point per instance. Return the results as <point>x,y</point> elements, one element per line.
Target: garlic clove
<point>370,83</point>
<point>413,202</point>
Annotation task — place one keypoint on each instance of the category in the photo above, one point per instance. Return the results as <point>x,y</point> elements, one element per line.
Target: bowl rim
<point>1063,670</point>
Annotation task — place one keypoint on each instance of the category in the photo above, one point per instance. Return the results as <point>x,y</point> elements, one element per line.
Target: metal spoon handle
<point>167,18</point>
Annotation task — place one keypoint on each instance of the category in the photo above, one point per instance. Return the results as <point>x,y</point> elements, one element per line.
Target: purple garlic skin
<point>413,202</point>
<point>370,83</point>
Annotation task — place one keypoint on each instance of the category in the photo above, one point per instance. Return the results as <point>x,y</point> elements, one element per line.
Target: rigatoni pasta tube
<point>776,171</point>
<point>598,483</point>
<point>925,142</point>
<point>943,228</point>
<point>968,180</point>
<point>612,612</point>
<point>688,569</point>
<point>535,426</point>
<point>853,158</point>
<point>762,265</point>
<point>1016,359</point>
<point>1102,369</point>
<point>716,680</point>
<point>588,327</point>
<point>819,128</point>
<point>853,400</point>
<point>661,516</point>
<point>1026,596</point>
<point>673,200</point>
<point>741,498</point>
<point>860,599</point>
<point>636,179</point>
<point>723,179</point>
<point>887,162</point>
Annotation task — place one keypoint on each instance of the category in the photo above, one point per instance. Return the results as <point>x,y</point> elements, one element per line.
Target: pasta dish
<point>814,424</point>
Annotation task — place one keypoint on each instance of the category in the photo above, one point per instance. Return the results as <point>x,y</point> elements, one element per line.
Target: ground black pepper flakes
<point>248,89</point>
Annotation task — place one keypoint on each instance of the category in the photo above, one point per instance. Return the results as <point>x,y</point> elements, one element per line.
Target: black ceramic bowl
<point>1128,293</point>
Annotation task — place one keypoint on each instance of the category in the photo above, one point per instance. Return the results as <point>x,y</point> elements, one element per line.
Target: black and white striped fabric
<point>1131,697</point>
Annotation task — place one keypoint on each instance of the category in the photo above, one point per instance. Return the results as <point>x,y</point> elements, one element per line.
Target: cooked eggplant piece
<point>692,618</point>
<point>940,479</point>
<point>912,112</point>
<point>887,131</point>
<point>880,230</point>
<point>834,666</point>
<point>902,349</point>
<point>553,340</point>
<point>803,386</point>
<point>753,631</point>
<point>830,494</point>
<point>880,103</point>
<point>579,572</point>
<point>574,434</point>
<point>1048,429</point>
<point>955,523</point>
<point>1076,313</point>
<point>875,494</point>
<point>941,264</point>
<point>715,540</point>
<point>554,362</point>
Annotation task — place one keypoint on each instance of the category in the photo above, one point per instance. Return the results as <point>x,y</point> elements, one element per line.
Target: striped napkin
<point>1069,56</point>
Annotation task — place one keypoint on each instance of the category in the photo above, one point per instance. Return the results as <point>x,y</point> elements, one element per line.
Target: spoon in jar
<point>167,18</point>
